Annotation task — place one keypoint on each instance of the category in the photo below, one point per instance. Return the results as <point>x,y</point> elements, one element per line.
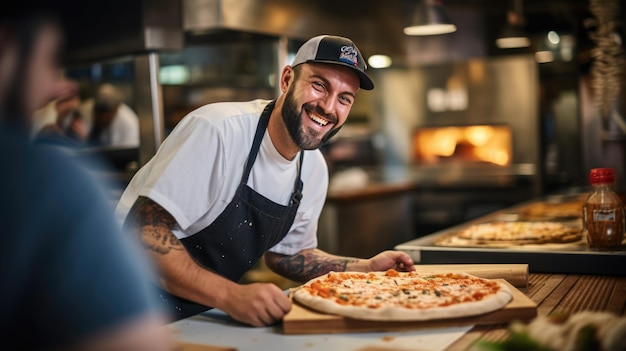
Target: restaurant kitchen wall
<point>500,90</point>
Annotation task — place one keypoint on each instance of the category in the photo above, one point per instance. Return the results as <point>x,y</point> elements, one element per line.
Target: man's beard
<point>292,118</point>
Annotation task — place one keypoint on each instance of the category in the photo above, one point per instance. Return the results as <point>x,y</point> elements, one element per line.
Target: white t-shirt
<point>195,173</point>
<point>123,130</point>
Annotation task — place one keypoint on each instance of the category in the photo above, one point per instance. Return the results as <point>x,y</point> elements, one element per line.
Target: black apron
<point>242,233</point>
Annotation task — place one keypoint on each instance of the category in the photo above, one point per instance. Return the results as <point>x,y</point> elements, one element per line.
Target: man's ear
<point>286,78</point>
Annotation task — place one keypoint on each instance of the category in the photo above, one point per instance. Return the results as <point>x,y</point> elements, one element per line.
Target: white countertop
<point>214,327</point>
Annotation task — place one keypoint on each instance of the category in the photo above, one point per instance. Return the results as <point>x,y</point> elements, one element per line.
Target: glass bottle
<point>603,212</point>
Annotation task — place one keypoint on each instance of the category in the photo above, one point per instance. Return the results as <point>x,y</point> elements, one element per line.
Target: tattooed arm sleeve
<point>154,226</point>
<point>178,272</point>
<point>307,264</point>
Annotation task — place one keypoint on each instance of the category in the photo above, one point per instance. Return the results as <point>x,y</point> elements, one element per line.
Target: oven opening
<point>467,145</point>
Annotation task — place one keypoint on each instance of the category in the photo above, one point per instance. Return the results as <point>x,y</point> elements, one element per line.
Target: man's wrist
<point>357,265</point>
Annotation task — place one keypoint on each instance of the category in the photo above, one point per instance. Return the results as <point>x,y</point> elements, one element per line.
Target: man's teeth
<point>319,120</point>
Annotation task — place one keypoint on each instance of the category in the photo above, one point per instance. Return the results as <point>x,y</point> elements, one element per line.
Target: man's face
<point>44,80</point>
<point>317,103</point>
<point>103,119</point>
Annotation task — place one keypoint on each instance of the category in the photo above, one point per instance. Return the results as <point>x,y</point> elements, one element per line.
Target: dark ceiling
<point>376,25</point>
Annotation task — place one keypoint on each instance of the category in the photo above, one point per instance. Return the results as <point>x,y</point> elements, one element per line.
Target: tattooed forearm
<point>310,264</point>
<point>154,226</point>
<point>159,240</point>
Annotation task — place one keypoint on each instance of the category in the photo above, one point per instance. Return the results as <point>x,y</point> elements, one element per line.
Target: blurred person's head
<point>106,103</point>
<point>30,42</point>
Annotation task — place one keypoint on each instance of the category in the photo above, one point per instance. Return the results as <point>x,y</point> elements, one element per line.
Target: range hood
<point>266,17</point>
<point>127,27</point>
<point>214,20</point>
<point>375,26</point>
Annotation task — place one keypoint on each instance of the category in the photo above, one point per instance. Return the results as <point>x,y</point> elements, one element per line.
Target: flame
<point>479,135</point>
<point>479,143</point>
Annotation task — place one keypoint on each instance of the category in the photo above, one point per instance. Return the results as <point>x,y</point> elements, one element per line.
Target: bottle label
<point>604,215</point>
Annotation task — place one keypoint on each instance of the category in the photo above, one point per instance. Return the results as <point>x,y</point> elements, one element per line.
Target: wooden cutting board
<point>303,320</point>
<point>516,274</point>
<point>185,346</point>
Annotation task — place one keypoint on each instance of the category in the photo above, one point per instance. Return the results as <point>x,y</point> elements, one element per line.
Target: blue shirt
<point>66,268</point>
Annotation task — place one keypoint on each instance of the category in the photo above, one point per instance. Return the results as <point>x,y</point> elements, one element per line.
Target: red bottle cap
<point>601,175</point>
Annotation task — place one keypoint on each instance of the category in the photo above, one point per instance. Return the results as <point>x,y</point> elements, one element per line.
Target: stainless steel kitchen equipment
<point>549,258</point>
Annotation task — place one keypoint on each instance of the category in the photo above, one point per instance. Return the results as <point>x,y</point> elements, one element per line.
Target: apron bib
<point>249,226</point>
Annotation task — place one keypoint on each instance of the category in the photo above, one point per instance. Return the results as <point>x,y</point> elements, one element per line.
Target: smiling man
<point>238,181</point>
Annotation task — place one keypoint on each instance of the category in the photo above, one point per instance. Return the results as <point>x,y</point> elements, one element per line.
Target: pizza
<point>402,296</point>
<point>553,210</point>
<point>504,234</point>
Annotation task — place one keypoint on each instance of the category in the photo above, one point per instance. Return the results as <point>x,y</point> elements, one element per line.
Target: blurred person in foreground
<point>237,181</point>
<point>71,278</point>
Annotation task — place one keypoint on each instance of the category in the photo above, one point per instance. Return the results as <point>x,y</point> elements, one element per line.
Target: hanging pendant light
<point>514,34</point>
<point>430,18</point>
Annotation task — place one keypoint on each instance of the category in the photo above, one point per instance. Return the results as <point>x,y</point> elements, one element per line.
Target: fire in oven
<point>471,144</point>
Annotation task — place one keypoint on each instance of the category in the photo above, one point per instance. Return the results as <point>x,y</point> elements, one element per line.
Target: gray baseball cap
<point>335,50</point>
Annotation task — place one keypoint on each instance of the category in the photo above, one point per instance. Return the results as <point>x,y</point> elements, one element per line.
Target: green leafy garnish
<point>515,342</point>
<point>586,339</point>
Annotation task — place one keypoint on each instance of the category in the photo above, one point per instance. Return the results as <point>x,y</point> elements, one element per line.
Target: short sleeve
<point>179,179</point>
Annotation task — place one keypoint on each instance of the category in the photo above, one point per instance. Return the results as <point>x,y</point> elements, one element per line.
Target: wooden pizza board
<point>303,320</point>
<point>185,346</point>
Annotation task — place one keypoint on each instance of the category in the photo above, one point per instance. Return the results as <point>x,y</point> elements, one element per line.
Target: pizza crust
<point>393,312</point>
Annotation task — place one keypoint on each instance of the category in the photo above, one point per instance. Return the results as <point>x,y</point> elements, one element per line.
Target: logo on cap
<point>349,55</point>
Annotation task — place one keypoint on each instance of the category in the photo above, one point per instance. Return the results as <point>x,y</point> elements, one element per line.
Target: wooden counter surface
<point>559,293</point>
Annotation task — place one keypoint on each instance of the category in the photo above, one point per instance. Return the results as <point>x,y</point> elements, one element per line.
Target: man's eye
<point>345,100</point>
<point>319,86</point>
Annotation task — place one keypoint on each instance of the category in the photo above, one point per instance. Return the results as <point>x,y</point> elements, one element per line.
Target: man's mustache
<point>318,111</point>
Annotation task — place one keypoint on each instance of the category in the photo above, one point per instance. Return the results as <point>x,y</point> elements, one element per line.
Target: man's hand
<point>310,263</point>
<point>79,129</point>
<point>257,304</point>
<point>397,260</point>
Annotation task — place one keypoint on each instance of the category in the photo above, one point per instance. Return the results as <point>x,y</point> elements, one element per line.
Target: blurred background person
<point>72,279</point>
<point>113,122</point>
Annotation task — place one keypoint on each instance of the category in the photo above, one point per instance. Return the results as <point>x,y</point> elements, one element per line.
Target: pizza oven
<point>463,144</point>
<point>464,171</point>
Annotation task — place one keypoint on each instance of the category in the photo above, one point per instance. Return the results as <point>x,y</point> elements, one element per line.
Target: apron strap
<point>296,196</point>
<point>258,137</point>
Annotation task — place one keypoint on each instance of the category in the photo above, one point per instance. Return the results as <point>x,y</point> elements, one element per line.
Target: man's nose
<point>328,103</point>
